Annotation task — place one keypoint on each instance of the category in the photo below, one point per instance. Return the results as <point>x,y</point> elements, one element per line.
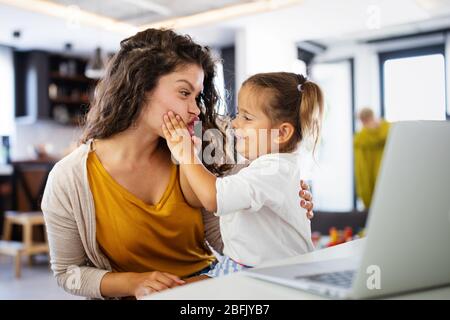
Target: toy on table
<point>340,236</point>
<point>335,237</point>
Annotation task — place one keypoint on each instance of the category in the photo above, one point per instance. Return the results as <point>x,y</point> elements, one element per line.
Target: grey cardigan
<point>68,206</point>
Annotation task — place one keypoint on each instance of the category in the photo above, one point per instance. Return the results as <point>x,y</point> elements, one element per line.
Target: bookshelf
<point>69,90</point>
<point>52,86</point>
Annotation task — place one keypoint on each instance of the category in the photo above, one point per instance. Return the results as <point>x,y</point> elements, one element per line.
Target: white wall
<point>262,49</point>
<point>57,137</point>
<point>367,86</point>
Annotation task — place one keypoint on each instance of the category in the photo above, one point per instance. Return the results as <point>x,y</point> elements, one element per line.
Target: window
<point>413,84</point>
<point>332,178</point>
<point>6,91</point>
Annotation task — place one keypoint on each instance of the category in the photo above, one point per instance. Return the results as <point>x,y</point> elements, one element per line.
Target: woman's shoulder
<point>72,164</point>
<point>65,182</point>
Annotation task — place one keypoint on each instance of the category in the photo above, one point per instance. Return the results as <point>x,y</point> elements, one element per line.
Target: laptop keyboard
<point>341,279</point>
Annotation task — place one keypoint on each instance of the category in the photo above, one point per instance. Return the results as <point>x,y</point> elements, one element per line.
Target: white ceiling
<point>138,12</point>
<point>329,20</point>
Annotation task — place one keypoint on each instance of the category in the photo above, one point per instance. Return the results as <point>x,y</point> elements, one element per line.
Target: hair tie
<point>301,80</point>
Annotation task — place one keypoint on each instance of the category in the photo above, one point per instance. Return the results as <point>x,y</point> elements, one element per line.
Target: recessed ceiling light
<point>16,34</point>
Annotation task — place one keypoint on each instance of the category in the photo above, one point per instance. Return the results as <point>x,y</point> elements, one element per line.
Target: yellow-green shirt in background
<point>368,150</point>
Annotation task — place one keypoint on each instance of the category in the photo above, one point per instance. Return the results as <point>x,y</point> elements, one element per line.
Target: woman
<point>118,224</point>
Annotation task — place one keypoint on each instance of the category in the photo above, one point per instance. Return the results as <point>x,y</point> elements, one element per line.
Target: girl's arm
<point>179,141</point>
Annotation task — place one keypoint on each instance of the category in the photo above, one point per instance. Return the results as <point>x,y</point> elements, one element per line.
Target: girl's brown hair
<point>294,99</point>
<point>135,70</point>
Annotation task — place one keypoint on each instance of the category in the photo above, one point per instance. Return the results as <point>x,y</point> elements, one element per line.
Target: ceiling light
<point>150,6</point>
<point>63,12</point>
<point>95,68</point>
<point>222,14</point>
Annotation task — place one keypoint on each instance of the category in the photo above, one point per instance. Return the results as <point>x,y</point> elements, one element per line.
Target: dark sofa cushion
<point>324,220</point>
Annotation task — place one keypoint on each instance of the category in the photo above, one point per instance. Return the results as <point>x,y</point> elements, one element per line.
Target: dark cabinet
<point>31,77</point>
<point>51,86</point>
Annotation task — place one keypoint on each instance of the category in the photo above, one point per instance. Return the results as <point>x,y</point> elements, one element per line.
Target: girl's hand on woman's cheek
<point>178,138</point>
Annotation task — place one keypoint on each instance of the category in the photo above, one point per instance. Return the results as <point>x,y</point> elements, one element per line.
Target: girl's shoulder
<point>287,158</point>
<point>275,163</point>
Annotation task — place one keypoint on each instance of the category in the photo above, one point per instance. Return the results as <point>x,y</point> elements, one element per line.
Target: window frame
<point>409,53</point>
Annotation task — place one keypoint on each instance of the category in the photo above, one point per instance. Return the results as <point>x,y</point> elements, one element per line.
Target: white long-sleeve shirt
<point>260,215</point>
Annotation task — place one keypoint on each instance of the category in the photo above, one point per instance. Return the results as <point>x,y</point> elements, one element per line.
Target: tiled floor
<point>36,282</point>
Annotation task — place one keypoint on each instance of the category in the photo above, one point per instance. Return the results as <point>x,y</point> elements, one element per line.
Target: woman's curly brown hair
<point>135,70</point>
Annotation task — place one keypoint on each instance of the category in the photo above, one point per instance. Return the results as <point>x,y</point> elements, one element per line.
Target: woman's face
<point>175,92</point>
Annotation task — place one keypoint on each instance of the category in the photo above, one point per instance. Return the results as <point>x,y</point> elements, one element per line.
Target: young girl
<point>259,219</point>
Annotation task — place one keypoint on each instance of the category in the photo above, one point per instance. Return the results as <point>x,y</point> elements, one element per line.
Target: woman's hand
<point>179,141</point>
<point>143,284</point>
<point>306,199</point>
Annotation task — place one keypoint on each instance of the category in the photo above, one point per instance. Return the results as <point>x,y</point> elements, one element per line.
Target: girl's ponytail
<point>310,109</point>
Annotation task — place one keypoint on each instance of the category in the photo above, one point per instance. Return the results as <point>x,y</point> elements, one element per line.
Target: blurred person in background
<point>368,147</point>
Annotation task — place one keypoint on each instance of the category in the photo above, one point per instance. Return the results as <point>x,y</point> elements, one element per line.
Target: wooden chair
<point>29,179</point>
<point>27,247</point>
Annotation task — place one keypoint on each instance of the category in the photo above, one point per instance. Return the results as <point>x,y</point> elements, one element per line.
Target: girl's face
<point>253,128</point>
<point>175,92</point>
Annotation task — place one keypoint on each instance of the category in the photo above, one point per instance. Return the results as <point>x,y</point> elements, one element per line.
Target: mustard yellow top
<point>368,147</point>
<point>137,237</point>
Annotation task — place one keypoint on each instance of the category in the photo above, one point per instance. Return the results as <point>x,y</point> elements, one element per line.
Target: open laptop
<point>408,229</point>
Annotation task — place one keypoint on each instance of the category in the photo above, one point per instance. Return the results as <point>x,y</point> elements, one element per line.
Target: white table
<point>240,287</point>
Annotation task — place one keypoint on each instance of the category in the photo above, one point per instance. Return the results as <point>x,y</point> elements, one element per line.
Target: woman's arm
<point>68,256</point>
<point>132,284</point>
